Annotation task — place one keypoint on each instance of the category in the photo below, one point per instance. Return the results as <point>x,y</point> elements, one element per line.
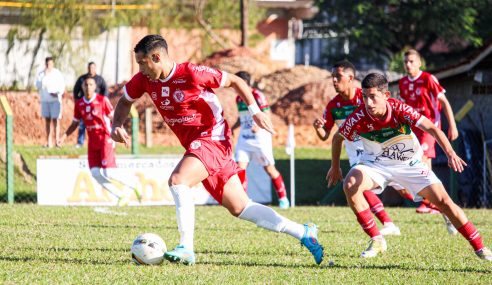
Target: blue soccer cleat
<point>283,203</point>
<point>180,255</point>
<point>310,241</point>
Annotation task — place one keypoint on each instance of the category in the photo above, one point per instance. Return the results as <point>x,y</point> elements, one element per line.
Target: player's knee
<point>351,185</point>
<point>444,203</point>
<point>175,179</point>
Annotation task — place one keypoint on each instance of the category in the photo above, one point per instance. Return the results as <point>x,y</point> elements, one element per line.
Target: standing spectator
<point>51,85</point>
<point>78,93</point>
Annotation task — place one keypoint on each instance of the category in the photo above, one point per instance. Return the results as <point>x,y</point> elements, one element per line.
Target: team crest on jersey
<point>104,162</point>
<point>165,91</point>
<point>178,96</point>
<point>418,91</point>
<point>195,144</point>
<point>153,96</point>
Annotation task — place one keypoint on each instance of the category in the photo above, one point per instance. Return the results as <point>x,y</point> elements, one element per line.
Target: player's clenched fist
<point>318,123</point>
<point>119,134</point>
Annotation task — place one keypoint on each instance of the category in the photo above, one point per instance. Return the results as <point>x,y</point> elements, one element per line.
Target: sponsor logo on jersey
<point>153,95</point>
<point>203,134</point>
<point>179,81</point>
<point>397,151</point>
<point>166,102</point>
<point>180,120</point>
<point>195,144</point>
<point>410,86</point>
<point>165,91</point>
<point>87,109</point>
<point>178,96</point>
<point>350,122</point>
<point>200,68</point>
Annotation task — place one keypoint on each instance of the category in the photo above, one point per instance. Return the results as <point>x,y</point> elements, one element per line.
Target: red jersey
<point>389,140</point>
<point>95,113</point>
<point>185,101</point>
<point>422,94</point>
<point>339,109</point>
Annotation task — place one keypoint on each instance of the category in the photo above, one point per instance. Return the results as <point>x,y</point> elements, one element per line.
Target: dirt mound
<point>241,59</point>
<point>279,83</point>
<point>302,105</point>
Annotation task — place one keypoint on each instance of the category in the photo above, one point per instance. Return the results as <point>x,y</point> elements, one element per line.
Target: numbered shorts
<point>263,154</point>
<point>103,157</point>
<point>413,178</point>
<point>216,156</point>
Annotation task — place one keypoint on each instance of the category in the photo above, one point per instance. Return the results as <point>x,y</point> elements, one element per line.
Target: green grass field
<point>55,245</point>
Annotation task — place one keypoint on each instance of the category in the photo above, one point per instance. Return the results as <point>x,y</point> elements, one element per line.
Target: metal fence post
<point>135,122</point>
<point>8,148</point>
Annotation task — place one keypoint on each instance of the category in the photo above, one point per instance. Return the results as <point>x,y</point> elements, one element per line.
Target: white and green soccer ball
<point>148,249</point>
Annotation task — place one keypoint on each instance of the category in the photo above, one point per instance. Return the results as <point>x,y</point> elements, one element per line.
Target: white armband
<point>254,109</point>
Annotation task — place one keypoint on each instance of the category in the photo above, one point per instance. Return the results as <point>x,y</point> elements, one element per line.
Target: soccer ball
<point>148,249</point>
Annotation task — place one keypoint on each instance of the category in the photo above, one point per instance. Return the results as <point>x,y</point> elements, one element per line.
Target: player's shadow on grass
<point>258,253</point>
<point>61,260</point>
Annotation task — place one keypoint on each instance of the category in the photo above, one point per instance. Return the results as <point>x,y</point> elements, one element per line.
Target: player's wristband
<point>254,109</point>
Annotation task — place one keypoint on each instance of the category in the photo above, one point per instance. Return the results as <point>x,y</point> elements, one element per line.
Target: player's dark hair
<point>49,58</point>
<point>245,76</point>
<point>346,65</point>
<point>91,63</point>
<point>149,43</point>
<point>375,80</point>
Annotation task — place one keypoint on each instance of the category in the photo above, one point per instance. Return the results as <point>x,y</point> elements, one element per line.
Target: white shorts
<point>263,155</point>
<point>413,178</point>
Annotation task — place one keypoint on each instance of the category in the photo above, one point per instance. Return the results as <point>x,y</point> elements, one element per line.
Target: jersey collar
<point>170,74</point>
<point>386,119</point>
<point>89,101</point>
<point>416,77</point>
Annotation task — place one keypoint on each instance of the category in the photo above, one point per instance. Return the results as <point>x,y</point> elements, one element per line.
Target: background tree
<point>379,30</point>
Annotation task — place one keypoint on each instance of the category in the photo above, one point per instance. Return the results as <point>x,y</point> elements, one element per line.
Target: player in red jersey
<point>392,153</point>
<point>349,97</point>
<point>96,111</point>
<point>422,91</point>
<point>256,143</point>
<point>183,95</point>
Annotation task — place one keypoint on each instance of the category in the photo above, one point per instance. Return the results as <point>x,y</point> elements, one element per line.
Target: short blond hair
<point>412,52</point>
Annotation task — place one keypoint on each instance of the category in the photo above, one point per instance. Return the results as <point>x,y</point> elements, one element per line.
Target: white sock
<point>185,214</point>
<point>96,174</point>
<point>120,176</point>
<point>267,218</point>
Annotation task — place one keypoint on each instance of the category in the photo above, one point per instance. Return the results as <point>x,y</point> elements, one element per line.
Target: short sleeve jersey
<point>246,134</point>
<point>336,111</point>
<point>422,93</point>
<point>388,140</point>
<point>186,101</point>
<point>95,114</point>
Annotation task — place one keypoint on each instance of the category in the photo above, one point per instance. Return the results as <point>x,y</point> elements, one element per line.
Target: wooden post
<point>148,127</point>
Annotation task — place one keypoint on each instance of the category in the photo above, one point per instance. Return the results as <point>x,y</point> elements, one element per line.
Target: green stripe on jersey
<point>343,112</point>
<point>386,133</point>
<point>241,106</point>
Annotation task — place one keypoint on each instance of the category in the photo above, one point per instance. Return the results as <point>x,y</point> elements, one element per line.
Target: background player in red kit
<point>255,143</point>
<point>422,91</point>
<point>182,93</point>
<point>96,111</point>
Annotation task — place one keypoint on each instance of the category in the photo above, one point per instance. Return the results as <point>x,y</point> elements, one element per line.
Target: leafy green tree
<point>379,30</point>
